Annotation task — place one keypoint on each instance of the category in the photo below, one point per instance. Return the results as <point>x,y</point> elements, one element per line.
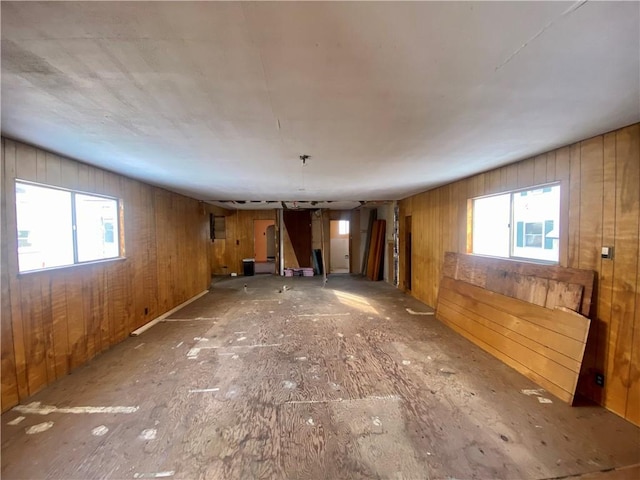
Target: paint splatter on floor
<point>99,431</point>
<point>39,428</point>
<point>16,421</point>
<point>148,434</point>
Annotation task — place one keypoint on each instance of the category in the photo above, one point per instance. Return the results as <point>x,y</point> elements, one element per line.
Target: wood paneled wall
<point>227,254</point>
<point>600,206</point>
<point>54,321</point>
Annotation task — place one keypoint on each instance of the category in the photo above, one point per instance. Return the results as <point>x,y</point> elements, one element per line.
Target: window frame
<point>119,238</point>
<point>512,227</point>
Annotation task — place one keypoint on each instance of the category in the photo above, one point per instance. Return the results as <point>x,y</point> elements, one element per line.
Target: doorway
<point>298,231</point>
<point>339,246</point>
<point>407,253</point>
<point>264,246</point>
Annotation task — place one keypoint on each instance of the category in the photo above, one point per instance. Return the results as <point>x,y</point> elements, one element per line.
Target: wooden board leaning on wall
<point>524,314</point>
<point>548,286</point>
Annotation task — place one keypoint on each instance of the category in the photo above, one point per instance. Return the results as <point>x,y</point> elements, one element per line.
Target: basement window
<point>343,227</point>
<point>57,227</point>
<point>522,224</point>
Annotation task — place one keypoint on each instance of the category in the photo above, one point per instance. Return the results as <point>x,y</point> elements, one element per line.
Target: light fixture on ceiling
<point>303,159</point>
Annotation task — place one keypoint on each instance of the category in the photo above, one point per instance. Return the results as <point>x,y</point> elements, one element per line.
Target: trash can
<point>248,265</point>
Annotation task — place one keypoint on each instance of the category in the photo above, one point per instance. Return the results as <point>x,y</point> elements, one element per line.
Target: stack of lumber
<point>375,261</point>
<point>524,314</point>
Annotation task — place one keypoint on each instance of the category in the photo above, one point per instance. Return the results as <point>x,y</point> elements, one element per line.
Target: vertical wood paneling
<point>633,392</point>
<point>493,182</point>
<point>91,313</point>
<point>563,174</point>
<point>551,167</point>
<point>525,172</point>
<point>599,206</point>
<point>15,290</point>
<point>60,327</point>
<point>590,238</point>
<point>607,267</point>
<point>101,288</point>
<point>76,330</point>
<point>626,267</point>
<point>47,329</point>
<point>512,176</point>
<point>591,194</point>
<point>56,320</point>
<point>573,247</point>
<point>540,169</point>
<point>34,337</point>
<point>8,364</point>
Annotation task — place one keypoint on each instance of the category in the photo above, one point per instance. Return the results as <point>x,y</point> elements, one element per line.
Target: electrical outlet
<point>600,379</point>
<point>607,252</point>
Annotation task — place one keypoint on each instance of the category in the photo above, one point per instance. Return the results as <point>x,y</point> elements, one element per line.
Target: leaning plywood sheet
<point>549,286</point>
<point>545,345</point>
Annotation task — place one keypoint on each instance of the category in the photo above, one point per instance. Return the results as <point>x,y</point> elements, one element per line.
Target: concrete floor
<point>347,381</point>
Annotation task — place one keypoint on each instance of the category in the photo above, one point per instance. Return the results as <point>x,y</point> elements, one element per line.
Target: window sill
<point>75,265</point>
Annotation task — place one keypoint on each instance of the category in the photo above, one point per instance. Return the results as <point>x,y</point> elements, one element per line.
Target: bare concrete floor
<point>309,383</point>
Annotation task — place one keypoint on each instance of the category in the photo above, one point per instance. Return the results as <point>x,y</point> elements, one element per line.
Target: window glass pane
<point>536,214</point>
<point>96,227</point>
<point>343,227</point>
<point>45,235</point>
<point>491,225</point>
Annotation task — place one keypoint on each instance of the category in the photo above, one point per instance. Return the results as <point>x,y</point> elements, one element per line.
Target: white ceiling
<point>218,100</point>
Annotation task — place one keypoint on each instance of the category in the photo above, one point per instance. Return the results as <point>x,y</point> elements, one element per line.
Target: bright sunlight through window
<point>523,224</point>
<point>60,227</point>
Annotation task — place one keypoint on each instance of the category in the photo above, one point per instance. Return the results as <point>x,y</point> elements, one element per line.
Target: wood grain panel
<point>573,246</point>
<point>559,348</point>
<point>76,329</point>
<point>633,392</point>
<point>626,268</point>
<point>540,169</point>
<point>571,288</point>
<point>56,320</point>
<point>60,327</point>
<point>591,194</point>
<point>47,329</point>
<point>298,223</point>
<point>551,167</point>
<point>599,345</point>
<point>519,333</point>
<point>596,176</point>
<point>34,338</point>
<point>15,293</point>
<point>7,364</point>
<point>376,250</point>
<point>563,175</point>
<point>564,294</point>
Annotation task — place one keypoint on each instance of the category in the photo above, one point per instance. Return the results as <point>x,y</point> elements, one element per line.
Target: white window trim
<point>120,237</point>
<point>511,194</point>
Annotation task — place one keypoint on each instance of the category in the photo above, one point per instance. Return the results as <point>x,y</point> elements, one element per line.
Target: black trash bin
<point>248,265</point>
